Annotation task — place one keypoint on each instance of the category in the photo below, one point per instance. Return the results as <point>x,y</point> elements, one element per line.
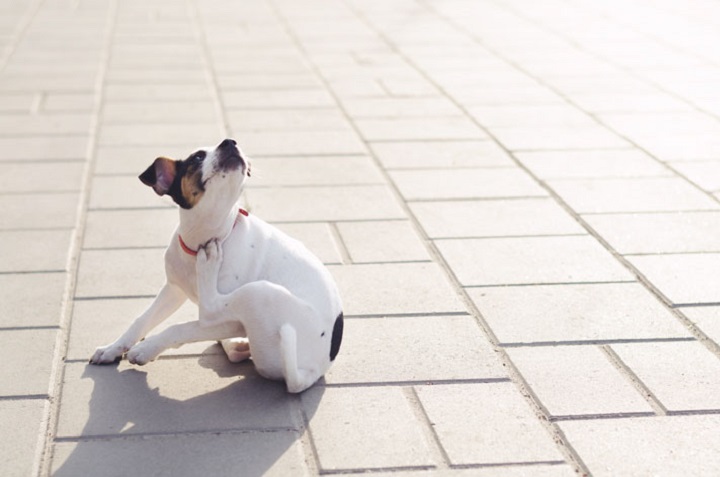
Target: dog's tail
<point>297,380</point>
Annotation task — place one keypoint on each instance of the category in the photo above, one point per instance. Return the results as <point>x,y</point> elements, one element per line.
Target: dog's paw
<point>212,251</point>
<point>237,350</point>
<point>108,354</point>
<point>143,352</point>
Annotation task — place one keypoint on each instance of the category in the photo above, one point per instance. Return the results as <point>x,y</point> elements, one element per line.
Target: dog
<point>259,292</point>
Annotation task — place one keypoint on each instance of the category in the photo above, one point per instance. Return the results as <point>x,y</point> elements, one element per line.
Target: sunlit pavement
<point>518,199</point>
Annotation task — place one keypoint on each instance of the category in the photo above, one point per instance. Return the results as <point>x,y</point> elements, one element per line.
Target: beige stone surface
<point>489,182</point>
<point>486,423</point>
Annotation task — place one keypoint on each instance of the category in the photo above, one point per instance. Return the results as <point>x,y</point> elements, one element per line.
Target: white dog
<point>260,292</point>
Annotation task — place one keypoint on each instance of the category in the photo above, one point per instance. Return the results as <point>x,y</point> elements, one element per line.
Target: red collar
<point>193,253</point>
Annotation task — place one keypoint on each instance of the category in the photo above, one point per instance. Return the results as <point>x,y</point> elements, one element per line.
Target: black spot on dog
<point>336,337</point>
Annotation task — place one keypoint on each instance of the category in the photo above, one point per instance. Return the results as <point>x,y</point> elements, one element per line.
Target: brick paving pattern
<point>520,202</point>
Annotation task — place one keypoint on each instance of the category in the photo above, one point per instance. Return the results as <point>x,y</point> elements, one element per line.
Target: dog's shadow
<point>248,427</point>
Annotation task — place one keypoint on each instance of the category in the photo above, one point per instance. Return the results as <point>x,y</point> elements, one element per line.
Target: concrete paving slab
<point>707,318</point>
<point>381,431</point>
<point>319,238</point>
<point>170,396</point>
<point>406,349</point>
<point>68,102</point>
<point>557,138</point>
<point>702,173</point>
<point>659,233</point>
<point>682,278</point>
<point>277,99</point>
<point>683,376</point>
<point>254,80</point>
<point>590,312</point>
<point>397,288</point>
<point>301,143</point>
<point>43,147</point>
<point>395,107</point>
<point>17,103</point>
<point>170,111</point>
<point>24,417</point>
<point>158,91</point>
<point>595,164</point>
<point>45,177</point>
<point>487,423</point>
<point>124,192</point>
<point>440,154</point>
<point>24,373</point>
<point>160,135</point>
<point>31,299</point>
<point>123,272</point>
<point>329,119</point>
<point>632,195</point>
<point>382,241</point>
<point>332,203</point>
<point>318,171</point>
<point>399,129</point>
<point>106,229</point>
<point>577,380</point>
<point>44,124</point>
<point>457,183</point>
<point>221,454</point>
<point>533,115</point>
<point>530,260</point>
<point>657,446</point>
<point>495,218</point>
<point>35,250</point>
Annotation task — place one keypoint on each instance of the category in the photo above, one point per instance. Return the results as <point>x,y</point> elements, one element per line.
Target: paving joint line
<point>340,244</point>
<point>24,397</point>
<point>540,344</point>
<point>422,382</point>
<point>373,470</point>
<point>637,383</point>
<point>173,434</point>
<point>438,454</point>
<point>43,459</point>
<point>599,417</point>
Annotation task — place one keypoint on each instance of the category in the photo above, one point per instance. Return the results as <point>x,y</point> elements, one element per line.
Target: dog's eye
<point>199,156</point>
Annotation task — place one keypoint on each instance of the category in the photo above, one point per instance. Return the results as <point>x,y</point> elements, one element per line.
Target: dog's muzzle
<point>229,156</point>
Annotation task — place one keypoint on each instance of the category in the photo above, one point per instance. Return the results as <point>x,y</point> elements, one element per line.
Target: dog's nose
<point>226,143</point>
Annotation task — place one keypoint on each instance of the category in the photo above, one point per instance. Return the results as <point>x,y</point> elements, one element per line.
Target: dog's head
<point>212,176</point>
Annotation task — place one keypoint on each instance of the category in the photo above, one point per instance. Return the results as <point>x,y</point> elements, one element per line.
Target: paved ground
<point>519,200</point>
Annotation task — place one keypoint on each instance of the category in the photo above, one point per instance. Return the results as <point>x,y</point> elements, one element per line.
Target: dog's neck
<point>196,233</point>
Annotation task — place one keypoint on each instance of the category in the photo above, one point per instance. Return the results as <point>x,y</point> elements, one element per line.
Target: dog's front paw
<point>143,352</point>
<point>108,354</point>
<point>211,252</point>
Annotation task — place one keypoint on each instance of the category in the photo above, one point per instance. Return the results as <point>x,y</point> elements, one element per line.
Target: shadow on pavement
<point>250,427</point>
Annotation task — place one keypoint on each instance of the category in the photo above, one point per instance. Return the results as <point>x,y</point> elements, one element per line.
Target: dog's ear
<point>160,175</point>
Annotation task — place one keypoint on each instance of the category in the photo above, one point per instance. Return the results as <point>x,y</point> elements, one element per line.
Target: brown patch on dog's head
<point>181,180</point>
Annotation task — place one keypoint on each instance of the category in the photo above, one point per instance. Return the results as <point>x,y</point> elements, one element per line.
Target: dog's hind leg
<point>237,349</point>
<point>297,379</point>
